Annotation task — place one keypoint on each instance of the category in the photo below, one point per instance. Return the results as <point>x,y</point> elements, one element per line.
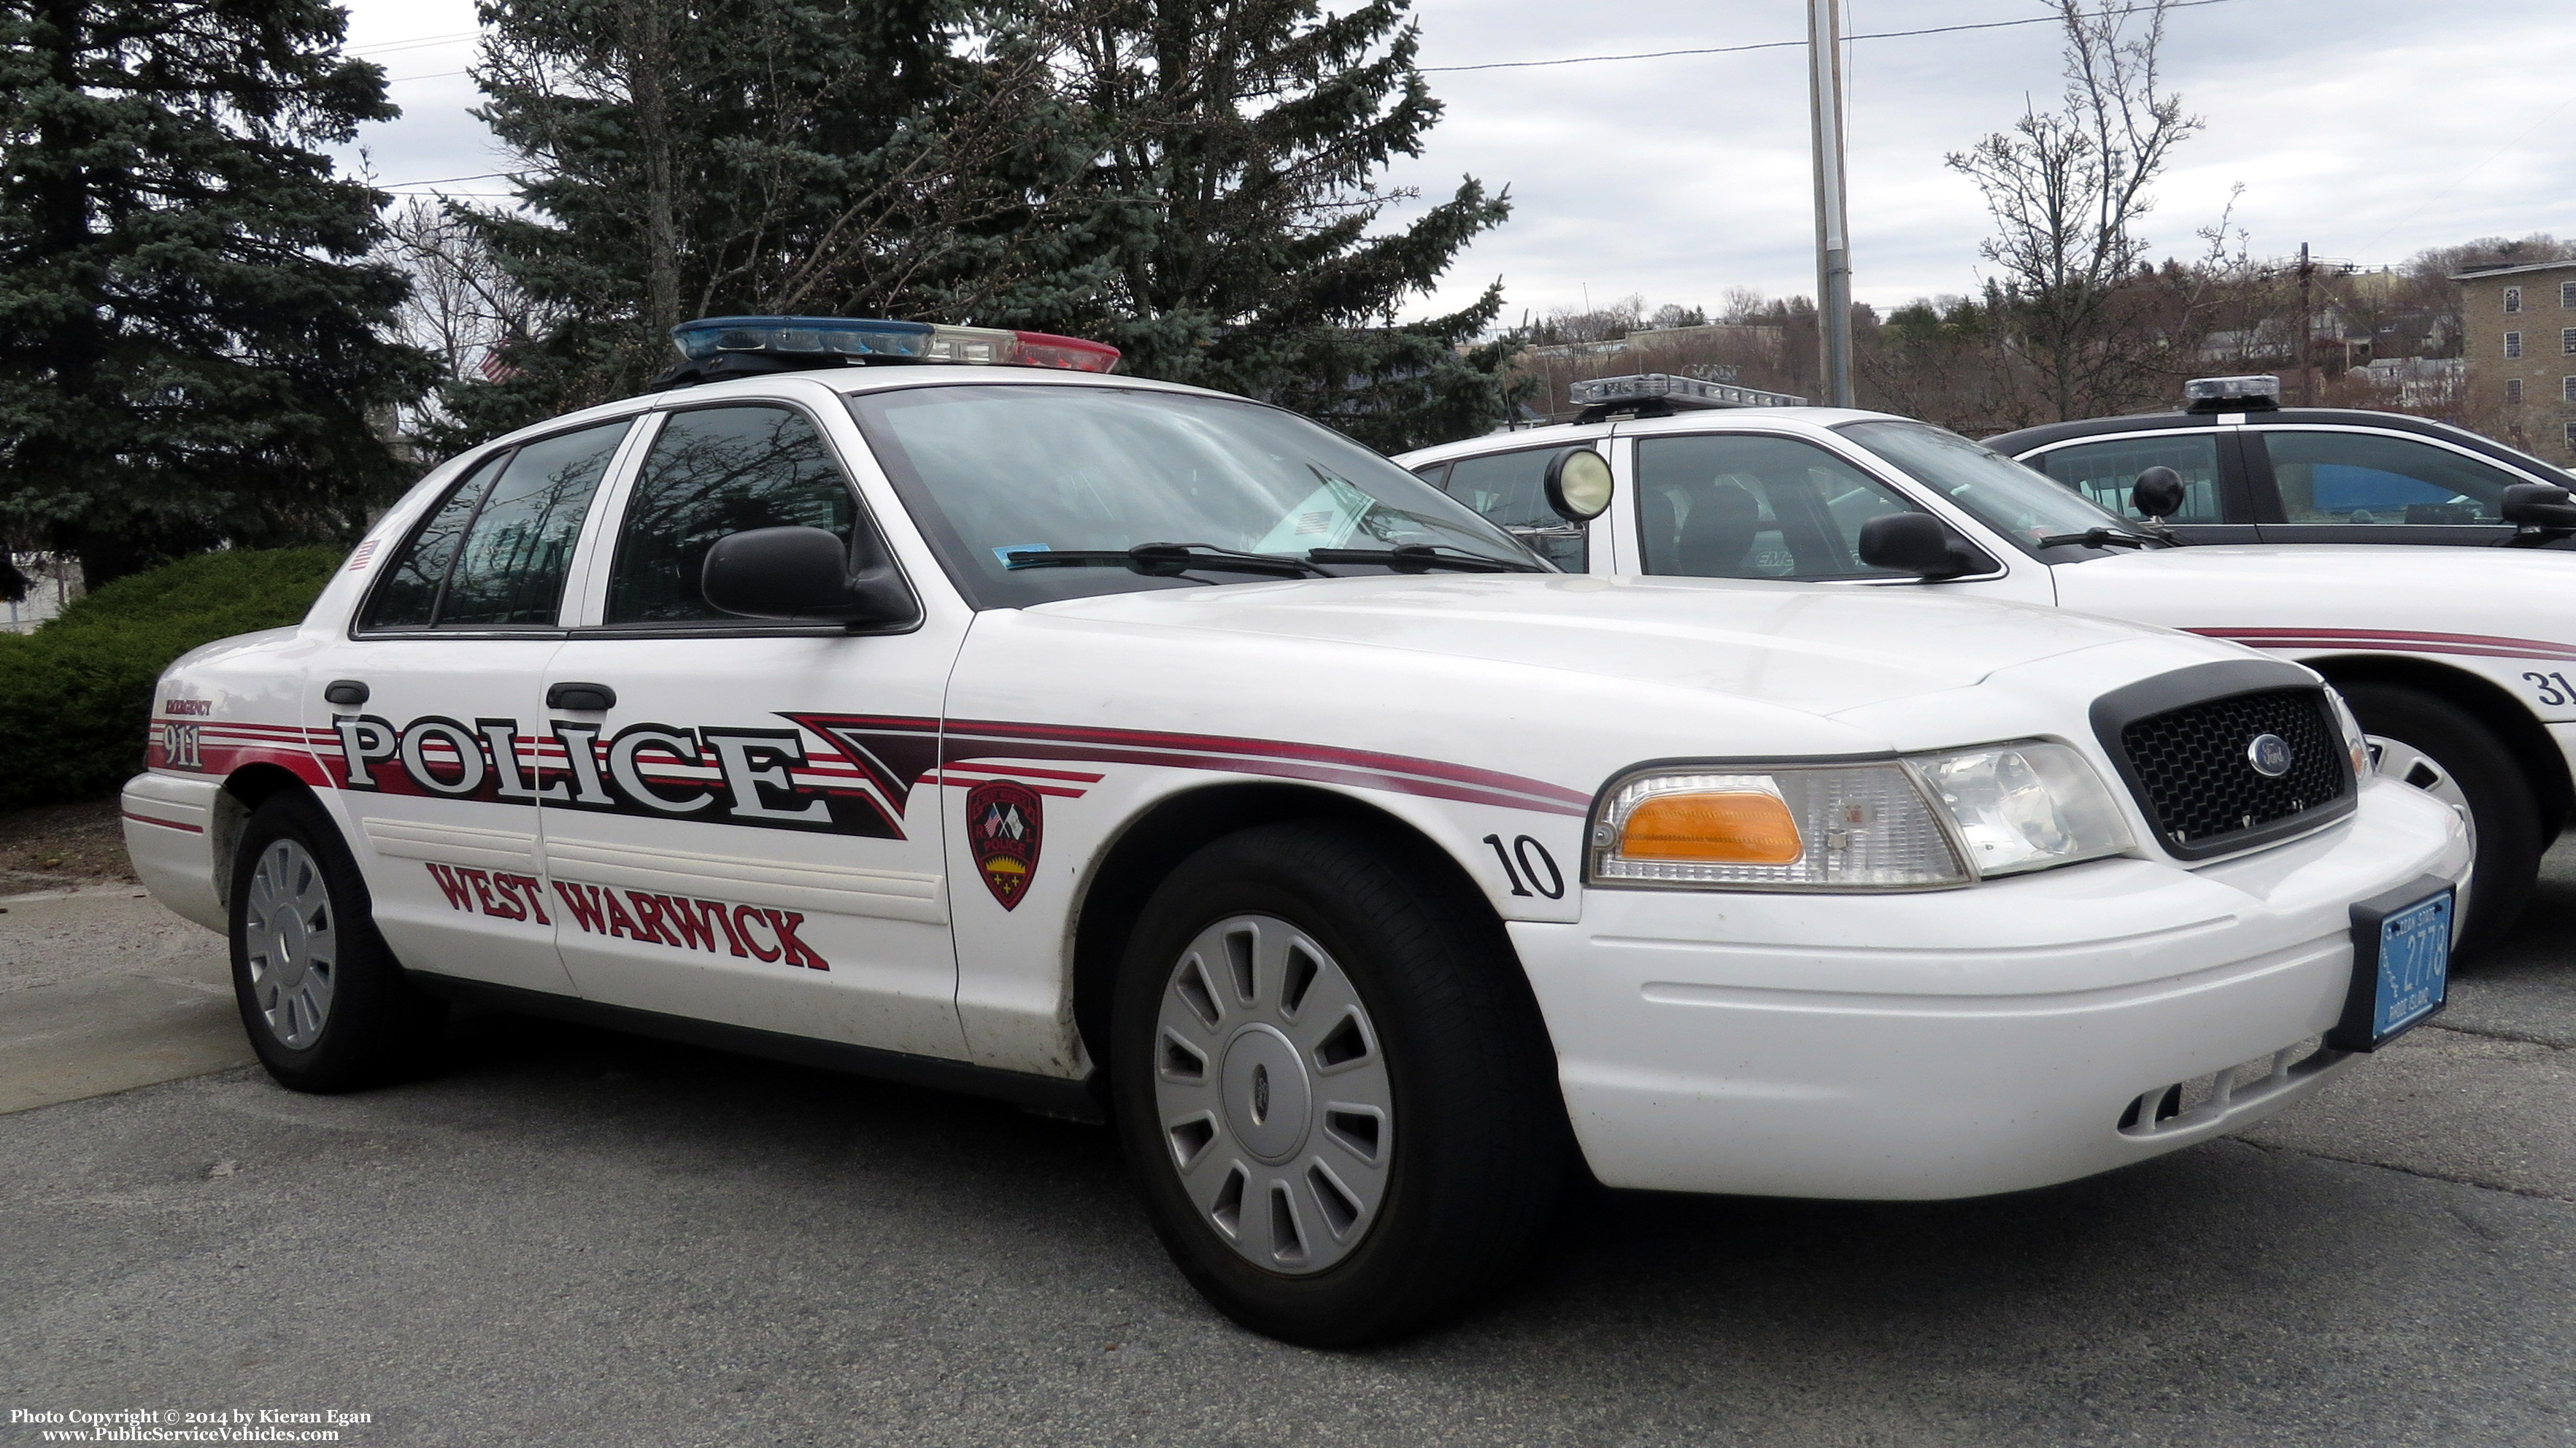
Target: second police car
<point>1127,749</point>
<point>2459,662</point>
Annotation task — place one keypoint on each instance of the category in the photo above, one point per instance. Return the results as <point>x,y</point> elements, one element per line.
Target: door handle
<point>351,692</point>
<point>587,698</point>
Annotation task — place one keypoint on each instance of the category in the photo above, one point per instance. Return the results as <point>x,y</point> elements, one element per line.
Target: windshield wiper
<point>1166,560</point>
<point>2104,538</point>
<point>1422,558</point>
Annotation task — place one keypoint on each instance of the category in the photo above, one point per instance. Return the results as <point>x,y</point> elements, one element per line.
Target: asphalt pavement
<point>569,1237</point>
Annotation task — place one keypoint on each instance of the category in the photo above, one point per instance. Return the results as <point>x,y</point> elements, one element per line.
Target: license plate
<point>2401,965</point>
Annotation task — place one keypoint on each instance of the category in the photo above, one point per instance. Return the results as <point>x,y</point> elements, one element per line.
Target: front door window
<point>2374,478</point>
<point>1743,505</point>
<point>1510,489</point>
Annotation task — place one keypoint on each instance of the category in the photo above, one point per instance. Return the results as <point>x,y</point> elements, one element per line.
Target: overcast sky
<point>2370,129</point>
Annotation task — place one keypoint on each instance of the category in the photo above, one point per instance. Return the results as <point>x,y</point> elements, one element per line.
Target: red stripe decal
<point>165,824</point>
<point>2398,640</point>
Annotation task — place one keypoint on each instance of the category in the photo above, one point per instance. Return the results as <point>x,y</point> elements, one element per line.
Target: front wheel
<point>1332,1083</point>
<point>2429,745</point>
<point>326,1005</point>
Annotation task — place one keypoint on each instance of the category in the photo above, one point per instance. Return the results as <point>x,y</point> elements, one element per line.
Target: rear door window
<point>2105,471</point>
<point>496,552</point>
<point>2374,478</point>
<point>1748,506</point>
<point>1510,489</point>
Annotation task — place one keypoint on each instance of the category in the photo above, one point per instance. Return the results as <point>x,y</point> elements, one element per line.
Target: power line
<point>418,42</point>
<point>2472,171</point>
<point>435,75</point>
<point>1788,44</point>
<point>441,180</point>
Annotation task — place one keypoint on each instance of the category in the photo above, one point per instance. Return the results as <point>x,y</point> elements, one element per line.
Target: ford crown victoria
<point>1137,752</point>
<point>2457,660</point>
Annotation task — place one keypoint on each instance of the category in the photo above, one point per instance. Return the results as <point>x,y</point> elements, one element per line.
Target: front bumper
<point>1963,1042</point>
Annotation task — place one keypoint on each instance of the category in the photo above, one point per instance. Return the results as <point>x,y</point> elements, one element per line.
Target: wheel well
<point>2484,700</point>
<point>245,789</point>
<point>1173,830</point>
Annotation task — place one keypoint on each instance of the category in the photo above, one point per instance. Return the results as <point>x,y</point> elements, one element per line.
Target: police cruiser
<point>2459,662</point>
<point>922,701</point>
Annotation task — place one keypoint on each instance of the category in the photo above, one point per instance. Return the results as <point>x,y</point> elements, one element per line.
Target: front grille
<point>2201,788</point>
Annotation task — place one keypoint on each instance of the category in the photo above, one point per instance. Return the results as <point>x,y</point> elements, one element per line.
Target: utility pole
<point>2307,375</point>
<point>1833,239</point>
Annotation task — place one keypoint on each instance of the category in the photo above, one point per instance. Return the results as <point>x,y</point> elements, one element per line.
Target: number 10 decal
<point>1534,862</point>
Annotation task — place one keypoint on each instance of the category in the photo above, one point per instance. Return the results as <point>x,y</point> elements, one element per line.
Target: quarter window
<point>495,552</point>
<point>2360,477</point>
<point>715,471</point>
<point>2513,344</point>
<point>2513,299</point>
<point>1510,489</point>
<point>2106,471</point>
<point>1741,505</point>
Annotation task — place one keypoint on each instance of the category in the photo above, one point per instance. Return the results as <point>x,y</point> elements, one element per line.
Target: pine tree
<point>842,157</point>
<point>192,347</point>
<point>1248,138</point>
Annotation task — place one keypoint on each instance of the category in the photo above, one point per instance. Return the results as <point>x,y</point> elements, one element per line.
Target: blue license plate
<point>2401,967</point>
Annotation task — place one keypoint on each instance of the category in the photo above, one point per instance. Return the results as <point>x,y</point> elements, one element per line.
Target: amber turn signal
<point>1735,828</point>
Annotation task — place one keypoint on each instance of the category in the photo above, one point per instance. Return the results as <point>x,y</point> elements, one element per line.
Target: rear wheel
<point>324,1001</point>
<point>2435,747</point>
<point>1333,1087</point>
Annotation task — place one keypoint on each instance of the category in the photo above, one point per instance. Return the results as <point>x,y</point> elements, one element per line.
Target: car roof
<point>1715,419</point>
<point>2014,444</point>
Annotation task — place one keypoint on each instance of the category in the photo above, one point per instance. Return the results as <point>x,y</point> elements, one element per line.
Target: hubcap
<point>2398,760</point>
<point>1273,1094</point>
<point>291,938</point>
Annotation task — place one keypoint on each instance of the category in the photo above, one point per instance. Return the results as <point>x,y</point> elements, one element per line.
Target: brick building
<point>2520,342</point>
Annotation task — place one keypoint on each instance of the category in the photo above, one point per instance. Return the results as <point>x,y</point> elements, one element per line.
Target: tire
<point>2442,750</point>
<point>326,1005</point>
<point>1403,1160</point>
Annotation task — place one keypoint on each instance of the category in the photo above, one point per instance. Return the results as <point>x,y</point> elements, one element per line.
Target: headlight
<point>1922,823</point>
<point>2025,806</point>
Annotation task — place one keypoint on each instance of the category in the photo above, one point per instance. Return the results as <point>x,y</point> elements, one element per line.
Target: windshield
<point>991,471</point>
<point>2021,503</point>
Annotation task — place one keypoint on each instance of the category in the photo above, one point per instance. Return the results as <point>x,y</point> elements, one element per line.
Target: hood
<point>2504,593</point>
<point>1815,648</point>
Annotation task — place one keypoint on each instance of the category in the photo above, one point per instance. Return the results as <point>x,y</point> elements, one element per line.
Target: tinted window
<point>1742,506</point>
<point>2362,477</point>
<point>1510,489</point>
<point>712,472</point>
<point>2106,471</point>
<point>997,470</point>
<point>511,569</point>
<point>408,596</point>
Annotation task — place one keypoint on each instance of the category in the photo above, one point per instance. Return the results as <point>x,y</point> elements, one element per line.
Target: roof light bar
<point>1673,392</point>
<point>2232,394</point>
<point>829,341</point>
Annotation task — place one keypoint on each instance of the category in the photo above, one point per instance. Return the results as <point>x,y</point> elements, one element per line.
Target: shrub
<point>76,694</point>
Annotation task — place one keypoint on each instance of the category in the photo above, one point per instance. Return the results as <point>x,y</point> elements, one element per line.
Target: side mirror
<point>1579,485</point>
<point>2538,505</point>
<point>1916,543</point>
<point>800,574</point>
<point>2158,494</point>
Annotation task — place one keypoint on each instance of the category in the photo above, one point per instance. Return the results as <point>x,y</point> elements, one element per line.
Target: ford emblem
<point>2269,754</point>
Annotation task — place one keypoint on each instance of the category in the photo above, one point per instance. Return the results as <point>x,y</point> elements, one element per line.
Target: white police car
<point>1107,745</point>
<point>2460,662</point>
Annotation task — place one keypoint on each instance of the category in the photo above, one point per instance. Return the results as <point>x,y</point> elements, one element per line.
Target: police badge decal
<point>1004,823</point>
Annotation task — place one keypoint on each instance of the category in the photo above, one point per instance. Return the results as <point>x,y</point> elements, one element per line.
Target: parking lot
<point>571,1237</point>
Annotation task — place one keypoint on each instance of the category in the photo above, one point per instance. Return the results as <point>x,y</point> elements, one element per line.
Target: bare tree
<point>2066,189</point>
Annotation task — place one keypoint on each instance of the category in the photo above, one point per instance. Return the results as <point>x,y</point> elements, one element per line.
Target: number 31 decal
<point>2553,688</point>
<point>1535,864</point>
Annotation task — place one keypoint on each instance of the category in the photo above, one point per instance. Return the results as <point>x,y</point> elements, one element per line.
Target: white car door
<point>737,838</point>
<point>429,740</point>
